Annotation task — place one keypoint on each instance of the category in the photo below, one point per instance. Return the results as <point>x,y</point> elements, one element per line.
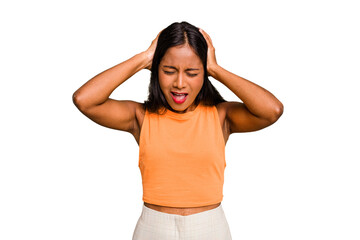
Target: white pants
<point>207,225</point>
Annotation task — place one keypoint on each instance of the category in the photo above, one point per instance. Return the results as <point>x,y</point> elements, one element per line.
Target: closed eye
<point>168,73</point>
<point>192,74</point>
<point>189,74</point>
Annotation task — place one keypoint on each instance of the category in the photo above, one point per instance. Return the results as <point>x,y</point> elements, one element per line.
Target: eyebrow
<point>188,69</point>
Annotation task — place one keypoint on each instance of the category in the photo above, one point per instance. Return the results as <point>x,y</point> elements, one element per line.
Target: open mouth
<point>179,97</point>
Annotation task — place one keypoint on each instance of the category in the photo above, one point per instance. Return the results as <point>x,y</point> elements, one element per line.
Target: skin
<point>181,71</point>
<point>258,107</point>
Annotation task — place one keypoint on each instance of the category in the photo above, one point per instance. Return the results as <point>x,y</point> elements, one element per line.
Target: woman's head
<point>179,67</point>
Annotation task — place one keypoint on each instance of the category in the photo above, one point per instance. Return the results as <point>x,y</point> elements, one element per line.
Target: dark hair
<point>174,35</point>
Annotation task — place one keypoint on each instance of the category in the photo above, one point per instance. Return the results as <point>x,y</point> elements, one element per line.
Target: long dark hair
<point>174,35</point>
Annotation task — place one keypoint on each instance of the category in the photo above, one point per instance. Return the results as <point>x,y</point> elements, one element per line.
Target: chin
<point>179,109</point>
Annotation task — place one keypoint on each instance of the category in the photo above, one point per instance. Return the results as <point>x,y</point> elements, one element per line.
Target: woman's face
<point>181,76</point>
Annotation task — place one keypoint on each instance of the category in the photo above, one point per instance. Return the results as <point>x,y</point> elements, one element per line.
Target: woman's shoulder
<point>221,107</point>
<point>224,106</point>
<point>139,110</point>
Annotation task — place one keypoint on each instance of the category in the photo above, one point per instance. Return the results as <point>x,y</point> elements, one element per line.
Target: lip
<point>180,92</point>
<point>179,100</point>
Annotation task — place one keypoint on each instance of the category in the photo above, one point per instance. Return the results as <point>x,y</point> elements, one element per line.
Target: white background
<point>64,177</point>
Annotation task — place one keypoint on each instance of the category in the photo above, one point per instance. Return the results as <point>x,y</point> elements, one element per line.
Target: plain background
<point>64,177</point>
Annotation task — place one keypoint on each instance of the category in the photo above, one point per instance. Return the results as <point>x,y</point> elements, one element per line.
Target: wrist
<point>213,70</point>
<point>145,59</point>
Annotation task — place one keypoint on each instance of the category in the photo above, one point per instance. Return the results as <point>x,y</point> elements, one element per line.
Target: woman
<point>181,130</point>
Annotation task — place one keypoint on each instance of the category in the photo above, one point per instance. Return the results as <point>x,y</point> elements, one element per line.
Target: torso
<point>140,113</point>
<point>181,211</point>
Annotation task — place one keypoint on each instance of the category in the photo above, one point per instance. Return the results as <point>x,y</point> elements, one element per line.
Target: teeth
<point>178,94</point>
<point>180,97</point>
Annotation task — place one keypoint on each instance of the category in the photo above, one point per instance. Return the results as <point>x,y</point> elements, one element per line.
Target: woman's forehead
<point>182,55</point>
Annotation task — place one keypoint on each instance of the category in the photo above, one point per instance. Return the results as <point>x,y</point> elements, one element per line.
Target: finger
<point>159,33</point>
<point>157,37</point>
<point>154,42</point>
<point>206,36</point>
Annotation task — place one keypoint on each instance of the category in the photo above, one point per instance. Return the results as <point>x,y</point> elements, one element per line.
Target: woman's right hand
<point>93,98</point>
<point>149,53</point>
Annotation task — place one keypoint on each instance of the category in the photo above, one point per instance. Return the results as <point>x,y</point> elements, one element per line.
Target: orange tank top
<point>182,158</point>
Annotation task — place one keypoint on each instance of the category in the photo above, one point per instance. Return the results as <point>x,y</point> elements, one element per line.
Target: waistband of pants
<point>152,216</point>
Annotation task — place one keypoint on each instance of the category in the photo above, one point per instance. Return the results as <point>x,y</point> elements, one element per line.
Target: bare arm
<point>259,108</point>
<point>92,99</point>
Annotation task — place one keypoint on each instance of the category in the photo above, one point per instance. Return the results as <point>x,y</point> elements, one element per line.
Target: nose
<point>179,81</point>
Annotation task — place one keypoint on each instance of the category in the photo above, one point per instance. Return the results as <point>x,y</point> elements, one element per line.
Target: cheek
<point>162,81</point>
<point>198,83</point>
<point>165,84</point>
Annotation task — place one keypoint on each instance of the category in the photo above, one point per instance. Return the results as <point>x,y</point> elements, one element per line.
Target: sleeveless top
<point>182,158</point>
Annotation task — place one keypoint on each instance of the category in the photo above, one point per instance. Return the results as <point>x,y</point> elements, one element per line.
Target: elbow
<point>279,109</point>
<point>78,101</point>
<point>276,113</point>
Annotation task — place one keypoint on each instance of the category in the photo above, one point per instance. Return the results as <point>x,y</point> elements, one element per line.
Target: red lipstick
<point>179,97</point>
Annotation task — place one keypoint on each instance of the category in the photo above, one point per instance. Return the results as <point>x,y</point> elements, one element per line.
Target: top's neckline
<point>185,115</point>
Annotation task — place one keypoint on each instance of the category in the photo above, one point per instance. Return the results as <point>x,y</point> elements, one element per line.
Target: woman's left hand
<point>211,59</point>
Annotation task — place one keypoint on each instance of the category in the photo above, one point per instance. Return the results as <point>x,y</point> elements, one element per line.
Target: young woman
<point>181,130</point>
